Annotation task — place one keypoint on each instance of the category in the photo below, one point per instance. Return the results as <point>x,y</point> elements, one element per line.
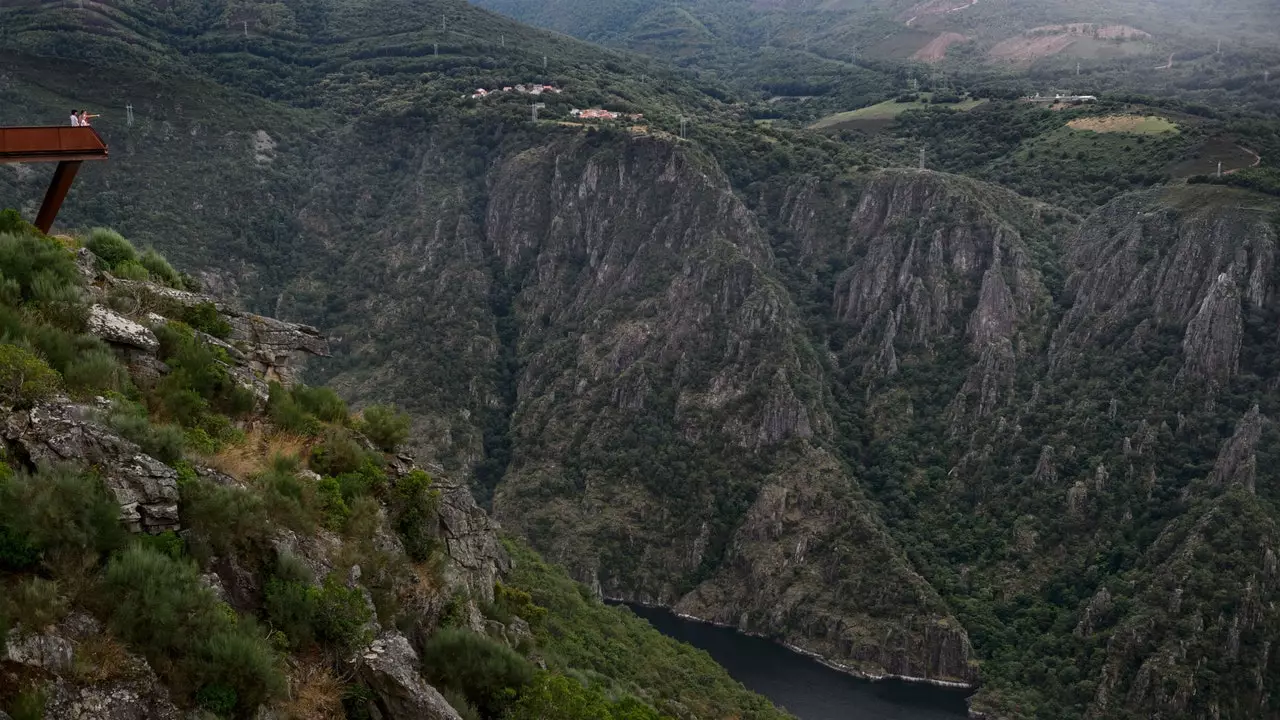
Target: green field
<point>881,113</point>
<point>1130,124</point>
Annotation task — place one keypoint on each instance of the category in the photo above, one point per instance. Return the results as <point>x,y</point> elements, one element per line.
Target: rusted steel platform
<point>66,145</point>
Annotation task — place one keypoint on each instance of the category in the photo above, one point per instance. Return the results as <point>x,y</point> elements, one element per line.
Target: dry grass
<point>101,659</point>
<point>1132,124</point>
<point>315,693</point>
<point>250,457</point>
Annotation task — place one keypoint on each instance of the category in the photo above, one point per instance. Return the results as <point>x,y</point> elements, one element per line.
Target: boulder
<point>389,667</point>
<point>137,694</point>
<point>62,431</point>
<point>43,650</point>
<point>120,330</point>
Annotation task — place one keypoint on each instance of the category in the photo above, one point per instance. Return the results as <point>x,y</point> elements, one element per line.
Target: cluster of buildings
<point>600,114</point>
<point>521,89</point>
<point>1062,98</point>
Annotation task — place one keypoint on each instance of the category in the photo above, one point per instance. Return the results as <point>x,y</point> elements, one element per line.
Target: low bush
<point>60,511</point>
<point>97,371</point>
<point>161,441</point>
<point>159,605</point>
<point>321,402</point>
<point>25,379</point>
<point>386,426</point>
<point>111,247</point>
<point>199,378</point>
<point>291,500</point>
<point>221,519</point>
<point>33,603</point>
<point>131,270</point>
<point>338,453</point>
<point>160,269</point>
<point>486,672</point>
<point>287,414</point>
<point>24,257</point>
<point>415,514</point>
<point>333,615</point>
<point>206,318</point>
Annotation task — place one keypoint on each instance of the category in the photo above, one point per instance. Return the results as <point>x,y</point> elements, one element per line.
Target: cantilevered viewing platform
<point>66,145</point>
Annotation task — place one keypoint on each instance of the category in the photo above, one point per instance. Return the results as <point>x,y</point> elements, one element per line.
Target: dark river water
<point>806,688</point>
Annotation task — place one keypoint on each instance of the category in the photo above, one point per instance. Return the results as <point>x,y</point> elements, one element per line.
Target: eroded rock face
<point>389,667</point>
<point>43,650</point>
<point>814,567</point>
<point>120,330</point>
<point>1237,462</point>
<point>62,431</point>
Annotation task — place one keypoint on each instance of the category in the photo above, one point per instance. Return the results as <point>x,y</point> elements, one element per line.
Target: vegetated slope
<point>1064,484</point>
<point>294,169</point>
<point>210,541</point>
<point>867,412</point>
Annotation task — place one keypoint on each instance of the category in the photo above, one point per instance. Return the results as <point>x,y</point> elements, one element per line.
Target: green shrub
<point>332,614</point>
<point>287,414</point>
<point>554,695</point>
<point>61,511</point>
<point>488,673</point>
<point>59,347</point>
<point>217,699</point>
<point>519,603</point>
<point>206,318</point>
<point>386,426</point>
<point>162,442</point>
<point>199,378</point>
<point>291,501</point>
<point>321,402</point>
<point>23,257</point>
<point>25,379</point>
<point>159,605</point>
<point>131,270</point>
<point>367,480</point>
<point>111,247</point>
<point>459,702</point>
<point>28,704</point>
<point>414,514</point>
<point>160,269</point>
<point>337,453</point>
<point>332,504</point>
<point>11,222</point>
<point>97,371</point>
<point>58,302</point>
<point>167,543</point>
<point>34,604</point>
<point>221,519</point>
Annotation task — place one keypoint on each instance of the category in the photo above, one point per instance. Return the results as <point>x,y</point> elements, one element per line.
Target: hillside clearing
<point>881,113</point>
<point>936,50</point>
<point>1132,124</point>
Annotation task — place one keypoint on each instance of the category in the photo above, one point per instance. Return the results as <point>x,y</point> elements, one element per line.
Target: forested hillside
<point>1004,422</point>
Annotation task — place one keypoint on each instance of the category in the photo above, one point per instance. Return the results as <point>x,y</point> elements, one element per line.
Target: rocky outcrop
<point>119,330</point>
<point>1237,462</point>
<point>1191,265</point>
<point>389,667</point>
<point>62,431</point>
<point>811,565</point>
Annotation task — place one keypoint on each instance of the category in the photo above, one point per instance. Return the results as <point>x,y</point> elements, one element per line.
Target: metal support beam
<point>63,176</point>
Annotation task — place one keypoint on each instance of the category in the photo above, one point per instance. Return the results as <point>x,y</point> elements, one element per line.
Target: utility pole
<point>246,28</point>
<point>1077,69</point>
<point>536,108</point>
<point>437,48</point>
<point>444,25</point>
<point>684,124</point>
<point>921,158</point>
<point>129,110</point>
<point>544,62</point>
<point>1219,168</point>
<point>504,42</point>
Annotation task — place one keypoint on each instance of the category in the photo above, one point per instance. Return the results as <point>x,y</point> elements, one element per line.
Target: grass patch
<point>880,113</point>
<point>1131,124</point>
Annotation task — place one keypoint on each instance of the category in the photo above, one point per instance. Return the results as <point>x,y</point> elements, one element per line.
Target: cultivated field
<point>1131,124</point>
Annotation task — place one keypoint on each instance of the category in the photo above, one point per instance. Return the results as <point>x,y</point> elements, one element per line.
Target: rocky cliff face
<point>84,671</point>
<point>670,407</point>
